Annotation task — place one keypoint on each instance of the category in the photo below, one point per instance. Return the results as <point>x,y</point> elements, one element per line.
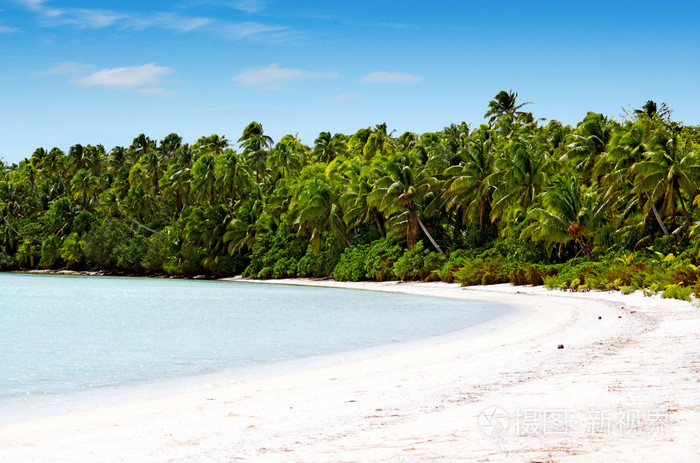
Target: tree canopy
<point>513,186</point>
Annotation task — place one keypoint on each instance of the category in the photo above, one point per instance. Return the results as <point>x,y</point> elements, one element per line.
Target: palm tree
<point>521,175</point>
<point>169,145</point>
<point>589,142</point>
<point>86,186</point>
<point>255,145</point>
<point>569,212</point>
<point>360,181</point>
<point>178,177</point>
<point>288,155</point>
<point>651,110</point>
<point>327,148</point>
<point>669,169</point>
<point>399,196</point>
<point>378,142</point>
<point>467,186</point>
<point>316,210</point>
<point>233,178</point>
<point>138,176</point>
<point>214,144</point>
<point>248,222</point>
<point>504,104</point>
<point>204,177</point>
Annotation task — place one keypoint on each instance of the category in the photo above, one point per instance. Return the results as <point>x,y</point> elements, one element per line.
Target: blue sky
<point>102,72</point>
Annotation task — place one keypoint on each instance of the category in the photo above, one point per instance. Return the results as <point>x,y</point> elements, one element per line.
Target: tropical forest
<point>608,203</point>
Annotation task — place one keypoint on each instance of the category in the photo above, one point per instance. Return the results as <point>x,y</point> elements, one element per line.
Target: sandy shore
<point>625,387</point>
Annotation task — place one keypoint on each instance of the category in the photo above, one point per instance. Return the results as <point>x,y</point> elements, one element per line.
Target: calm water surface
<point>67,334</point>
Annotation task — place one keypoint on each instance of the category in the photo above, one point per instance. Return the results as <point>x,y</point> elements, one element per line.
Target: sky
<point>103,72</point>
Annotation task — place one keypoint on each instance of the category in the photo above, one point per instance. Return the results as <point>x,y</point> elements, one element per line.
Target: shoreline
<point>640,360</point>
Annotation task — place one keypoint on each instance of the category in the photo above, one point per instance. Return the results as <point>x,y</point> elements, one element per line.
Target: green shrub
<point>155,256</point>
<point>526,274</point>
<point>6,262</point>
<point>416,263</point>
<point>677,292</point>
<point>228,266</point>
<point>322,263</point>
<point>351,266</point>
<point>188,261</point>
<point>381,257</point>
<point>482,271</point>
<point>50,252</point>
<point>114,245</point>
<point>286,267</point>
<point>273,247</point>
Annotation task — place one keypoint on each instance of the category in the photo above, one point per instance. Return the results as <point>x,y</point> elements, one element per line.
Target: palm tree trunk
<point>18,233</point>
<point>378,223</point>
<point>144,227</point>
<point>658,219</point>
<point>430,237</point>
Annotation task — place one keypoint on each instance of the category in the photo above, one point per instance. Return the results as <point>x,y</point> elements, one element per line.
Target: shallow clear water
<point>66,334</point>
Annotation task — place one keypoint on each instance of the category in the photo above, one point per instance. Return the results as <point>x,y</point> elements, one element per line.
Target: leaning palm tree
<point>669,172</point>
<point>400,196</point>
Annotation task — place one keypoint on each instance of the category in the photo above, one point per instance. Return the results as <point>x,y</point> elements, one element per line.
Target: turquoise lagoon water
<point>71,335</point>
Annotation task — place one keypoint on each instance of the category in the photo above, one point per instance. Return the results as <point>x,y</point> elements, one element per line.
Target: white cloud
<point>95,18</point>
<point>249,6</point>
<point>391,78</point>
<point>346,98</point>
<point>7,29</point>
<point>274,77</point>
<point>125,77</point>
<point>35,5</point>
<point>244,30</point>
<point>168,21</point>
<point>68,67</point>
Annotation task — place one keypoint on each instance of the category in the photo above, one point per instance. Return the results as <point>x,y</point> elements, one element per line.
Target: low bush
<point>677,292</point>
<point>351,265</point>
<point>482,271</point>
<point>381,257</point>
<point>417,263</point>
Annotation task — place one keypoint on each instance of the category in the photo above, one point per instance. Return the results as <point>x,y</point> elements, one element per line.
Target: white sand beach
<point>624,387</point>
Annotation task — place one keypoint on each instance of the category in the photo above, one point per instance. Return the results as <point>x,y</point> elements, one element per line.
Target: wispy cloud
<point>275,77</point>
<point>251,29</point>
<point>35,5</point>
<point>125,77</point>
<point>248,6</point>
<point>391,78</point>
<point>92,18</point>
<point>7,29</point>
<point>68,67</point>
<point>345,98</point>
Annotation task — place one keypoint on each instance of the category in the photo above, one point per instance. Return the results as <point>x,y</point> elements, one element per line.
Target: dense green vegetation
<point>605,204</point>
